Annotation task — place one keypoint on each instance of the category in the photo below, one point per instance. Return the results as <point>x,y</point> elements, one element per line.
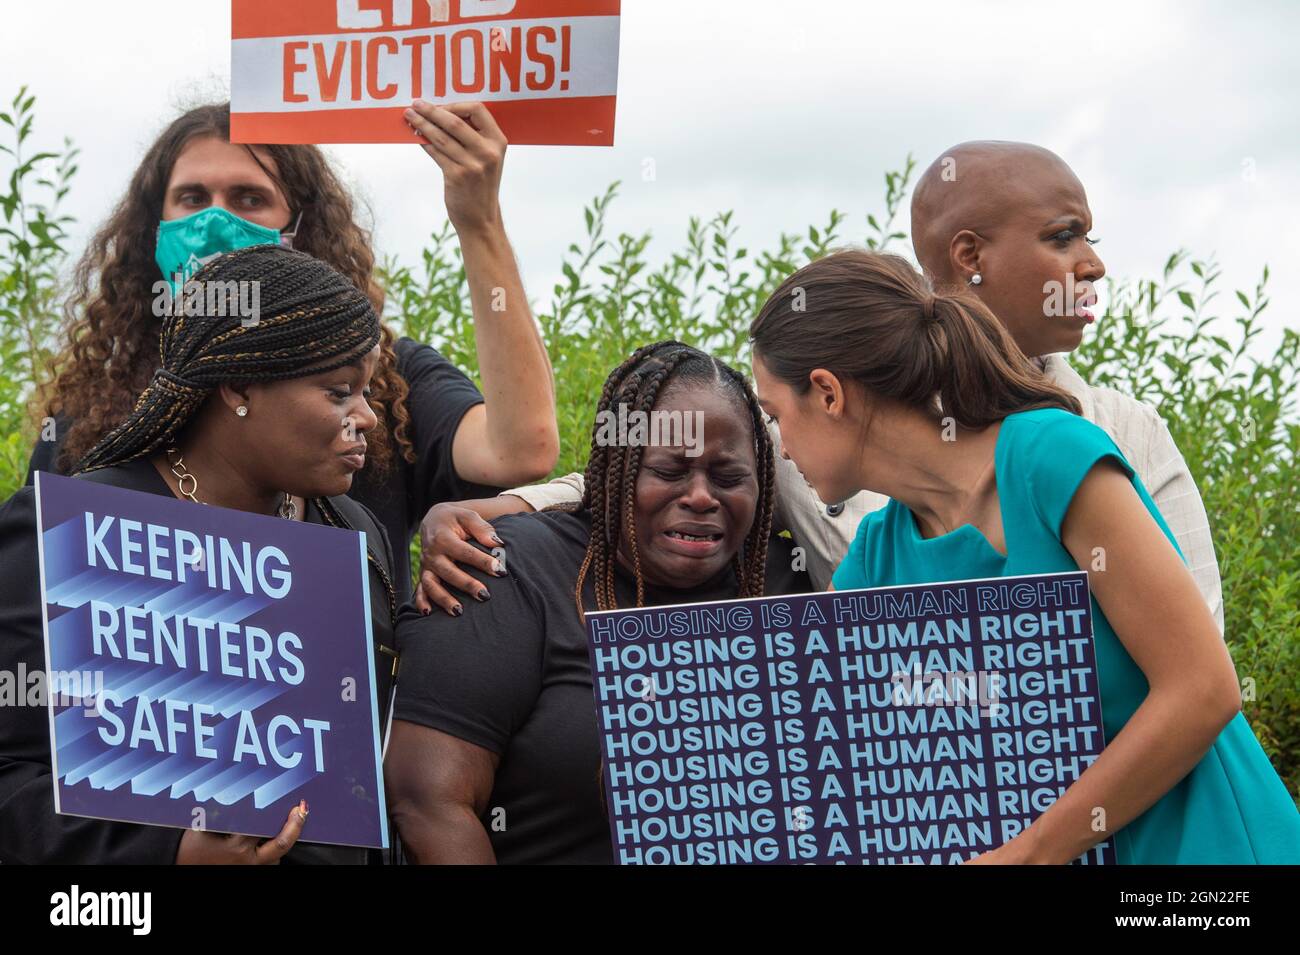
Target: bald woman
<point>1010,222</point>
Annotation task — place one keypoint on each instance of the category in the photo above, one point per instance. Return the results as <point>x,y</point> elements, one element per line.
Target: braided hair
<point>612,471</point>
<point>312,320</point>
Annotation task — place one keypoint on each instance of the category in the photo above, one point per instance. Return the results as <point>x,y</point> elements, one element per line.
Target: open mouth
<point>693,538</point>
<point>698,545</point>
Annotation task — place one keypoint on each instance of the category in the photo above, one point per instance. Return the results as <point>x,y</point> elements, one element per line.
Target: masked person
<point>270,418</point>
<point>196,195</point>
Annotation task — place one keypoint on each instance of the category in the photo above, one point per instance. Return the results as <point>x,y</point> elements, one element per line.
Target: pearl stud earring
<point>241,411</point>
<point>976,279</point>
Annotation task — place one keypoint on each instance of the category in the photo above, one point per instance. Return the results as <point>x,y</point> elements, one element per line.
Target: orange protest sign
<point>342,71</point>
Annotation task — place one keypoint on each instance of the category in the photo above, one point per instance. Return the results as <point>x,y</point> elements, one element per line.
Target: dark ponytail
<point>873,318</point>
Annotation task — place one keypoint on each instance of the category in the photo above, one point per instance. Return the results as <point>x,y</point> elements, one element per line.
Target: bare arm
<point>438,787</point>
<point>1152,602</point>
<point>512,437</point>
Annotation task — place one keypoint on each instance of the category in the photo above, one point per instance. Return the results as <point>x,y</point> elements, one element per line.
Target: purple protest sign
<point>208,668</point>
<point>920,724</point>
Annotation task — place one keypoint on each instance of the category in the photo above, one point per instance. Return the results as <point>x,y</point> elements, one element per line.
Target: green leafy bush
<point>1231,410</point>
<point>1232,413</point>
<point>32,251</point>
<point>1172,341</point>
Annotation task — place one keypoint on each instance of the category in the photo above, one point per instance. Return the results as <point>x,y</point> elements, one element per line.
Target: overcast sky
<point>783,111</point>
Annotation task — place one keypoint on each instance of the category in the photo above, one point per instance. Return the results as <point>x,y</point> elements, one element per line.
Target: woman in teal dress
<point>878,383</point>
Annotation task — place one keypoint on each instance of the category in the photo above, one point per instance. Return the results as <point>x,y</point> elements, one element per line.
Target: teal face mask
<point>185,245</point>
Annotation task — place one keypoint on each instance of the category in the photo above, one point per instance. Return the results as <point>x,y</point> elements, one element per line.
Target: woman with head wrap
<point>264,413</point>
<point>195,194</point>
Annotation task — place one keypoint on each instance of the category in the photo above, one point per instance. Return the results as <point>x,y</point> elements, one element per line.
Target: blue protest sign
<point>221,666</point>
<point>921,724</point>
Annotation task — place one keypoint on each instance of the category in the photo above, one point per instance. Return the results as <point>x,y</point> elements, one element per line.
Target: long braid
<point>612,471</point>
<point>639,391</point>
<point>752,572</point>
<point>600,465</point>
<point>313,320</point>
<point>645,400</point>
<point>615,480</point>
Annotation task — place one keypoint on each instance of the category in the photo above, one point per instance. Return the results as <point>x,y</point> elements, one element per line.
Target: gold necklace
<point>287,509</point>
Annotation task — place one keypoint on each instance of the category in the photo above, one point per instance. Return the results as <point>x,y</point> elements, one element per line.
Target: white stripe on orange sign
<point>586,121</point>
<point>554,58</point>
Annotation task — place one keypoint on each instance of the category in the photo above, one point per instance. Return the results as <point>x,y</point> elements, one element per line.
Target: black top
<point>512,676</point>
<point>30,830</point>
<point>440,394</point>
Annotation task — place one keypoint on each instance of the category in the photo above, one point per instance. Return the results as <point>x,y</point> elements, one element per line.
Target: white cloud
<point>785,110</point>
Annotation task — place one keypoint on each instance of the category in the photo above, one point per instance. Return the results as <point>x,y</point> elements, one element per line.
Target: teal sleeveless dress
<point>1231,808</point>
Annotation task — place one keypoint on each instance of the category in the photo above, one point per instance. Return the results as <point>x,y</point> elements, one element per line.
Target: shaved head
<point>978,186</point>
<point>1016,216</point>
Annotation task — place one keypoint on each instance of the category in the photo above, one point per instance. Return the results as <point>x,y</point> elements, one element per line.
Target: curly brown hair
<point>110,346</point>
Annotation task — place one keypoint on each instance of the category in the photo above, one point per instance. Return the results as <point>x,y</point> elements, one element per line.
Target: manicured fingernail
<point>425,612</point>
<point>498,540</point>
<point>484,595</point>
<point>457,610</point>
<point>497,569</point>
